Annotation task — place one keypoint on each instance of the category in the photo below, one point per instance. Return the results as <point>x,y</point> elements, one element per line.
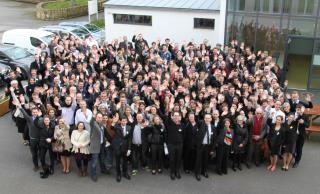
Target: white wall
<point>173,24</point>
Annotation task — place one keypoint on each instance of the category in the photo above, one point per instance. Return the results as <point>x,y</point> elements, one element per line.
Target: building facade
<point>179,20</point>
<point>289,29</point>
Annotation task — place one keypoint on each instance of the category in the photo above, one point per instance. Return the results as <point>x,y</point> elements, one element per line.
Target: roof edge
<point>160,8</point>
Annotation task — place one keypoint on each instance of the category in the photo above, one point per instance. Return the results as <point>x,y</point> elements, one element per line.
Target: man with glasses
<point>257,130</point>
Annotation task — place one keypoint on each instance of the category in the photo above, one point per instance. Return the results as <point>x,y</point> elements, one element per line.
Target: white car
<point>27,38</point>
<point>65,30</point>
<point>97,33</point>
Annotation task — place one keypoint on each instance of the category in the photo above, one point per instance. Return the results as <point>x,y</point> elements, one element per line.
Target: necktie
<point>208,135</point>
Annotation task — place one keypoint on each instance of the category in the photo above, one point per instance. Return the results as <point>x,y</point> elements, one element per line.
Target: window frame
<point>196,26</point>
<point>131,18</point>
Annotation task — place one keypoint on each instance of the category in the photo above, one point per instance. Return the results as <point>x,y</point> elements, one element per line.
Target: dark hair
<point>84,127</point>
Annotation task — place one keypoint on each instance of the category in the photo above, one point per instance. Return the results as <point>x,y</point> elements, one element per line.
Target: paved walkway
<point>17,176</point>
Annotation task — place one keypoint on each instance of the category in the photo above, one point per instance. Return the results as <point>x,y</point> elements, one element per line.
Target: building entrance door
<point>299,55</point>
<point>314,74</point>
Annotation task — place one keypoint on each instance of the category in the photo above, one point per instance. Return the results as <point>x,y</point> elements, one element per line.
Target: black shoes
<point>94,178</point>
<point>127,176</point>
<point>118,178</point>
<point>205,174</point>
<point>178,176</point>
<point>198,177</point>
<point>51,170</point>
<point>295,165</point>
<point>239,167</point>
<point>44,174</point>
<point>172,176</point>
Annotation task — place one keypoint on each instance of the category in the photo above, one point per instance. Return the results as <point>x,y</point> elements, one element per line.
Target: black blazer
<point>122,143</point>
<point>44,132</point>
<point>294,105</point>
<point>302,127</point>
<point>190,135</point>
<point>203,128</point>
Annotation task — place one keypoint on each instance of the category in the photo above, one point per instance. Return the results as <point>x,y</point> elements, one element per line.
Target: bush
<point>64,4</point>
<point>100,23</point>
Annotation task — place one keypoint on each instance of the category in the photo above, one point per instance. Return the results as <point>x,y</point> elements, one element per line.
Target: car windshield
<point>47,39</point>
<point>16,53</point>
<point>92,28</point>
<point>81,33</point>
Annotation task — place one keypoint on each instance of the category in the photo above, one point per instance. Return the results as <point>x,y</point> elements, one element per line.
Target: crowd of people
<point>157,106</point>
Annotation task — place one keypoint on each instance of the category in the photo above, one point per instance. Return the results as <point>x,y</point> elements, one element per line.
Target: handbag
<point>57,146</point>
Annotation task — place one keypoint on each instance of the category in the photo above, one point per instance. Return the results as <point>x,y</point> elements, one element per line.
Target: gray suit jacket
<point>95,137</point>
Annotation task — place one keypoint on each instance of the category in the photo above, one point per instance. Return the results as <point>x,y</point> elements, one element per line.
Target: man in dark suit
<point>122,147</point>
<point>189,148</point>
<point>38,64</point>
<point>303,123</point>
<point>125,45</point>
<point>205,142</point>
<point>34,132</point>
<point>294,101</point>
<point>174,139</point>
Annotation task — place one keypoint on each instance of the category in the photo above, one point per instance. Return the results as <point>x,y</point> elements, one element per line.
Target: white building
<point>179,20</point>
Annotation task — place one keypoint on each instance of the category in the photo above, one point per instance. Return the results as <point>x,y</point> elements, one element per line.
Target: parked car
<point>27,38</point>
<point>66,30</point>
<point>13,57</point>
<point>96,32</point>
<point>4,70</point>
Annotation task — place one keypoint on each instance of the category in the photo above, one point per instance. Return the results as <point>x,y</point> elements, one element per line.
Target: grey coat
<point>95,137</point>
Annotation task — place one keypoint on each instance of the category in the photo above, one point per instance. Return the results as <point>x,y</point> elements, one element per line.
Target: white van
<point>27,38</point>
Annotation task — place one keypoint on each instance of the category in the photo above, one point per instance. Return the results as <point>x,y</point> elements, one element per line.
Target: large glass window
<point>287,4</point>
<point>132,19</point>
<point>268,33</point>
<point>307,7</point>
<point>240,5</point>
<point>318,29</point>
<point>230,28</point>
<point>301,26</point>
<point>245,28</point>
<point>231,4</point>
<point>204,23</point>
<point>265,5</point>
<point>276,6</point>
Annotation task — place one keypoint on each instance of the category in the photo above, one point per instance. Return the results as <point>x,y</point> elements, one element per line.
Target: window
<point>35,42</point>
<point>240,5</point>
<point>204,23</point>
<point>287,6</point>
<point>265,6</point>
<point>302,26</point>
<point>132,19</point>
<point>306,7</point>
<point>276,6</point>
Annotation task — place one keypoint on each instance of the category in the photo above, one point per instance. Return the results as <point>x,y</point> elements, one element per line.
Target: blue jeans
<point>93,165</point>
<point>95,157</point>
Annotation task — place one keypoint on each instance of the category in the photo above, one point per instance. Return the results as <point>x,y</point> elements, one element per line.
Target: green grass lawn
<point>64,4</point>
